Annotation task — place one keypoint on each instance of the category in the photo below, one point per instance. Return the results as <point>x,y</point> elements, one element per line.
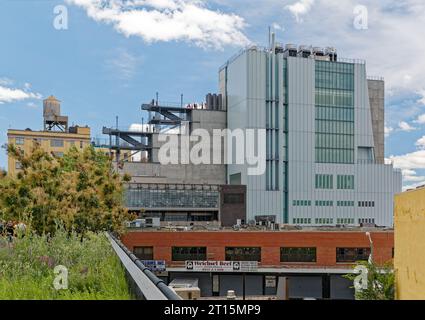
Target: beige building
<point>56,137</point>
<point>51,141</point>
<point>409,238</point>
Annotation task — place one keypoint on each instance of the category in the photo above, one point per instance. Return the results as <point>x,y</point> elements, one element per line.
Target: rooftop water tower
<point>52,115</point>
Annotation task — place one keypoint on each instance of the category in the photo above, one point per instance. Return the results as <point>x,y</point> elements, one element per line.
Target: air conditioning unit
<point>153,222</point>
<point>138,223</point>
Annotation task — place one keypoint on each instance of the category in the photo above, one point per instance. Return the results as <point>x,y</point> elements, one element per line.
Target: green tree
<point>380,282</point>
<point>78,191</point>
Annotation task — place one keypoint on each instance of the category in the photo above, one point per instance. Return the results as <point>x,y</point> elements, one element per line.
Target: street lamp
<point>370,260</point>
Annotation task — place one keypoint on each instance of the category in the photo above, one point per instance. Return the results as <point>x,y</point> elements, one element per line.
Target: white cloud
<point>387,131</point>
<point>277,26</point>
<point>6,82</point>
<point>414,186</point>
<point>411,176</point>
<point>421,119</point>
<point>300,8</point>
<point>32,105</point>
<point>404,126</point>
<point>421,143</point>
<point>123,63</point>
<point>413,160</point>
<point>168,20</point>
<point>422,99</point>
<point>393,28</point>
<point>8,95</point>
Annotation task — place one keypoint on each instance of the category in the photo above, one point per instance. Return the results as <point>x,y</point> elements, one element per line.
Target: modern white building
<point>325,136</point>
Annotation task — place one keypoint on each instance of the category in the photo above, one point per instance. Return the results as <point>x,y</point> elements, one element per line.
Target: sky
<point>104,58</point>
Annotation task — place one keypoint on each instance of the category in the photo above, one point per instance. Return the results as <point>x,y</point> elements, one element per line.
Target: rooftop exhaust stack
<point>318,51</point>
<point>214,101</point>
<point>290,50</point>
<point>331,52</point>
<point>304,51</point>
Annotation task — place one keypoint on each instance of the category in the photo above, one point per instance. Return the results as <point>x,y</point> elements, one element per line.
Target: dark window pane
<point>298,254</point>
<point>243,254</point>
<point>188,253</point>
<point>143,253</point>
<point>352,254</point>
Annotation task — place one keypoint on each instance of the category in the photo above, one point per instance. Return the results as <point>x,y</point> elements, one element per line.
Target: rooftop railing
<point>144,284</point>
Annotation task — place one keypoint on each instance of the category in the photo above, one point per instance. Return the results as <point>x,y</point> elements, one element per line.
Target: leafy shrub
<point>79,190</point>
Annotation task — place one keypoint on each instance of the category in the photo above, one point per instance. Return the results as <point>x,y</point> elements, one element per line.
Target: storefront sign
<point>270,282</point>
<point>155,265</point>
<point>222,266</point>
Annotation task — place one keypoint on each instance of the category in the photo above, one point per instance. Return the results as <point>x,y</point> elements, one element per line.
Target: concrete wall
<point>377,107</point>
<point>175,174</point>
<point>184,172</point>
<point>409,258</point>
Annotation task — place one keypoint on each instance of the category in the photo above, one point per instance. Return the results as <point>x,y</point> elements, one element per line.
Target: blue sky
<point>115,54</point>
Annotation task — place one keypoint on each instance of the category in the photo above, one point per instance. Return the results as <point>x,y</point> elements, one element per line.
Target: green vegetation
<point>79,191</point>
<point>27,267</point>
<point>380,282</point>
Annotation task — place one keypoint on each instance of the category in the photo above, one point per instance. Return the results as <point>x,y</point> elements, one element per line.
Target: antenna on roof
<point>270,31</point>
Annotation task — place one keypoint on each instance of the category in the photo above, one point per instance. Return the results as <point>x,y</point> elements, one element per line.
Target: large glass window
<point>189,253</point>
<point>298,254</point>
<point>151,197</point>
<point>352,254</point>
<point>243,254</point>
<point>334,112</point>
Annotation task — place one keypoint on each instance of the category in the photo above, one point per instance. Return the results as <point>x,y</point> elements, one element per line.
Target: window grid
<point>352,254</point>
<point>324,203</point>
<point>19,140</point>
<point>324,221</point>
<point>324,181</point>
<point>334,112</point>
<point>297,254</point>
<point>301,220</point>
<point>243,254</point>
<point>143,253</point>
<point>301,203</point>
<point>345,182</point>
<point>189,253</point>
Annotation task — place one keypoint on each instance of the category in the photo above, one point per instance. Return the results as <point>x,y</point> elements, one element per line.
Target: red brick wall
<point>270,243</point>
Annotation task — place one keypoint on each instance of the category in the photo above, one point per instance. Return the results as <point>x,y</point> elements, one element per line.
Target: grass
<point>94,272</point>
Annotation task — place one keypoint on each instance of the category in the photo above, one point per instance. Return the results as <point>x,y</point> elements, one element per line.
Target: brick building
<point>314,259</point>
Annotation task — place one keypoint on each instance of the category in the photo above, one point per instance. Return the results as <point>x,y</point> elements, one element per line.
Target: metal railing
<point>375,78</point>
<point>146,284</point>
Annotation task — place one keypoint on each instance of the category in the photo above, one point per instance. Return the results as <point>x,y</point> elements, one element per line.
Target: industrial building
<point>307,218</point>
<point>57,136</point>
<point>313,259</point>
<point>409,246</point>
<point>324,123</point>
<point>325,136</point>
<point>182,192</point>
